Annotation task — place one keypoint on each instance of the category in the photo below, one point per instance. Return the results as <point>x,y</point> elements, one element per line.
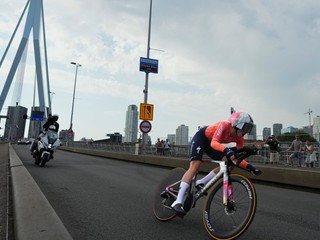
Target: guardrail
<point>305,177</point>
<point>183,151</point>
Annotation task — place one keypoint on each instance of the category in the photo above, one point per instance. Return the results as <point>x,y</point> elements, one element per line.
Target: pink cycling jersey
<point>219,133</point>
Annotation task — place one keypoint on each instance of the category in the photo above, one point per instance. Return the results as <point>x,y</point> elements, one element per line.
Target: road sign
<point>146,111</point>
<point>145,126</point>
<point>70,134</point>
<point>148,65</point>
<point>37,116</point>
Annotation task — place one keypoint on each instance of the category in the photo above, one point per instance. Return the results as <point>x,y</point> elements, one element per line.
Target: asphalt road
<point>98,198</point>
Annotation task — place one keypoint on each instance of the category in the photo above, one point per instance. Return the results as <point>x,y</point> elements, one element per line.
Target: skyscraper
<point>131,128</point>
<point>182,135</point>
<point>277,129</point>
<point>266,132</point>
<point>316,128</point>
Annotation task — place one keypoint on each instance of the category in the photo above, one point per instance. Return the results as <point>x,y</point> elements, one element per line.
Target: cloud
<point>256,56</point>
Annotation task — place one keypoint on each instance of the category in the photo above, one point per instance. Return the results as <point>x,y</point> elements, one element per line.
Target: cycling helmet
<point>55,117</point>
<point>241,120</point>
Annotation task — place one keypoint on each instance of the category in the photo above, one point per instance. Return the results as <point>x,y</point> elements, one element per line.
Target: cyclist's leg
<point>177,205</point>
<point>213,154</point>
<point>197,148</point>
<point>186,180</point>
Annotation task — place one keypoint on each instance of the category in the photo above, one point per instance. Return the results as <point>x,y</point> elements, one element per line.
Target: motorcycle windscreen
<point>52,137</point>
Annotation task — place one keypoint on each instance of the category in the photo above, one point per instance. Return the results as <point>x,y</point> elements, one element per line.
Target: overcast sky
<point>262,57</point>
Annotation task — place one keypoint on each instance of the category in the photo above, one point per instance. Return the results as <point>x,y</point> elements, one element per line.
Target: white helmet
<point>241,120</point>
<point>52,128</point>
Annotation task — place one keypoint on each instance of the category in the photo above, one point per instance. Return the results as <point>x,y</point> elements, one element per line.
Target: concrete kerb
<point>284,175</point>
<point>34,217</point>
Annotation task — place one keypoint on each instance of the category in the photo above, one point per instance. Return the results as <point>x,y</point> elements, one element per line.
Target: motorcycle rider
<point>51,121</point>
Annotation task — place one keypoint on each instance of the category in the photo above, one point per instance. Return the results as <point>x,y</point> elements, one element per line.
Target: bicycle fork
<point>227,190</point>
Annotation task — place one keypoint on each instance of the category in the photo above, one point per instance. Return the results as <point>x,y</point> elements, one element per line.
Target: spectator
<point>296,147</point>
<point>166,147</point>
<point>273,143</point>
<point>159,146</point>
<point>162,149</point>
<point>311,154</point>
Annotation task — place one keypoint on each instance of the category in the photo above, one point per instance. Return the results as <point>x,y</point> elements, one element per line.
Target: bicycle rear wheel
<point>229,222</point>
<point>162,200</point>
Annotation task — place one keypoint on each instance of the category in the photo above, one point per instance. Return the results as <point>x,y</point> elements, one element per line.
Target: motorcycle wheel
<point>44,159</point>
<point>37,160</point>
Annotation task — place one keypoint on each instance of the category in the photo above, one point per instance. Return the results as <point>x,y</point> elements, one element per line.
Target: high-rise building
<point>182,135</point>
<point>289,130</point>
<point>172,139</point>
<point>277,129</point>
<point>15,123</point>
<point>266,132</point>
<point>316,128</point>
<point>131,128</point>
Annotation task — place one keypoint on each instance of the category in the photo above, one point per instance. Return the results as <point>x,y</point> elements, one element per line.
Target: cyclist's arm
<point>216,138</point>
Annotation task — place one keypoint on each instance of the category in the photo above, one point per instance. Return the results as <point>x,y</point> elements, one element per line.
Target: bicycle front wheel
<point>229,222</point>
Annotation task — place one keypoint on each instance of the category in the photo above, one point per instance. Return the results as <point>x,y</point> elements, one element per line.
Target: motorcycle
<point>47,143</point>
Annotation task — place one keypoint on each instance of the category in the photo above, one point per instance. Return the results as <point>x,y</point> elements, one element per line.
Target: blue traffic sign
<point>148,65</point>
<point>37,116</point>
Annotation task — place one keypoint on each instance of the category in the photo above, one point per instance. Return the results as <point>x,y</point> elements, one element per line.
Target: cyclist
<point>209,140</point>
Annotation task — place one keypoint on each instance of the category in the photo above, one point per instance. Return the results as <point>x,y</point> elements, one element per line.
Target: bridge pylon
<point>34,19</point>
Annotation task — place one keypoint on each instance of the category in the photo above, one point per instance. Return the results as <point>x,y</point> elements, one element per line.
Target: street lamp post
<point>148,55</point>
<point>145,91</point>
<point>51,98</point>
<point>74,90</point>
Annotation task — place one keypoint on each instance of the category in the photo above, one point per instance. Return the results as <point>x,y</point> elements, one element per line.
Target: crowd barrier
<point>304,177</point>
<point>263,156</point>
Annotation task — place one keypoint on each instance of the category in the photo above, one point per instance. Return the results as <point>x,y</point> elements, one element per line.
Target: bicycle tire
<point>229,223</point>
<point>161,206</point>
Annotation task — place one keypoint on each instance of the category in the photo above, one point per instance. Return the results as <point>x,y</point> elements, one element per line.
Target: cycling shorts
<point>201,144</point>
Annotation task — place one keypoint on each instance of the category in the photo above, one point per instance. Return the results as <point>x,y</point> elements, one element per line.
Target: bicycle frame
<point>222,172</point>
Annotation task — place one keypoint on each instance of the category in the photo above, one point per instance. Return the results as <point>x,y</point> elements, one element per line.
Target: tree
<point>289,137</point>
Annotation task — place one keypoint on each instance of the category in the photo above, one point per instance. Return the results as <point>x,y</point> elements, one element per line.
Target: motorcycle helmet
<point>242,121</point>
<point>55,117</point>
<point>52,128</point>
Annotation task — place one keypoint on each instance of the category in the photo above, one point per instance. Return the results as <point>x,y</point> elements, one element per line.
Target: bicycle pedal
<point>164,194</point>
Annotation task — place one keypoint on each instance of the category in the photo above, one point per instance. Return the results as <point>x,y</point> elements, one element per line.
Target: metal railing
<point>183,151</point>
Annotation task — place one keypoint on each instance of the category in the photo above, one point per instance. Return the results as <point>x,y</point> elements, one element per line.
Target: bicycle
<point>230,203</point>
